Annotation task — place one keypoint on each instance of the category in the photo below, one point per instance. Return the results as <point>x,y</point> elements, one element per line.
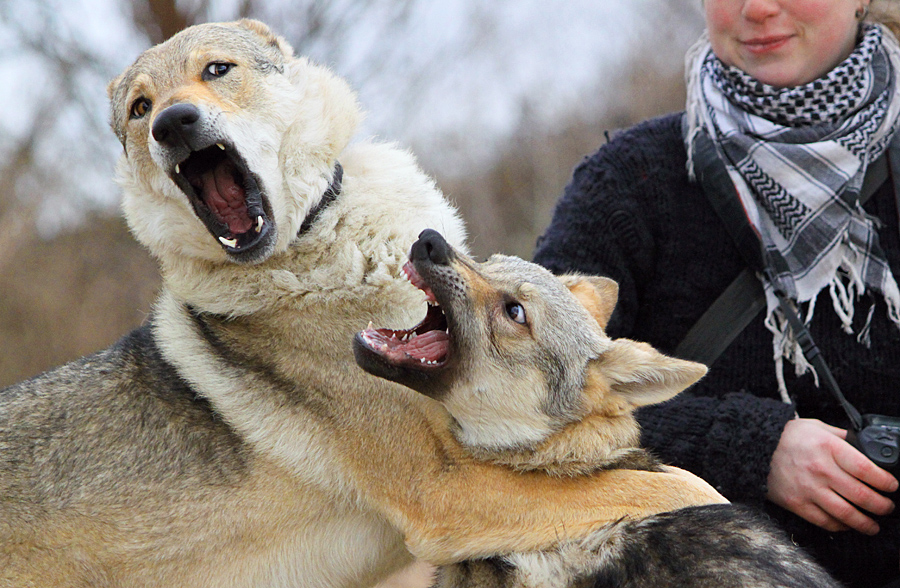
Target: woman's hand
<point>817,475</point>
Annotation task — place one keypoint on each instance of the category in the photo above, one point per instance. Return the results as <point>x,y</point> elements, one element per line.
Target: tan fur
<point>502,370</point>
<point>506,341</point>
<point>317,474</point>
<point>597,294</point>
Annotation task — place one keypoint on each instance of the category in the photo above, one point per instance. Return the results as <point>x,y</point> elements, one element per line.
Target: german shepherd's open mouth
<point>423,349</point>
<point>227,198</point>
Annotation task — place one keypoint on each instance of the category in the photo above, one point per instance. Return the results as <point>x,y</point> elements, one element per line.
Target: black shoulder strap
<point>724,320</point>
<point>733,310</point>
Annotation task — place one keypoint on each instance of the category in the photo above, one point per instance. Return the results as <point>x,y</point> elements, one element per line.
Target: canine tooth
<point>177,169</point>
<point>369,327</point>
<point>259,223</point>
<point>220,146</point>
<point>228,242</point>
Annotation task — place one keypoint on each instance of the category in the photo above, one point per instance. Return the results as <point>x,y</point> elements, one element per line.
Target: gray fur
<point>716,546</point>
<point>73,437</point>
<point>712,546</point>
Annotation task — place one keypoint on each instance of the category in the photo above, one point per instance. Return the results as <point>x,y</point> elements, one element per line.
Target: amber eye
<point>140,107</point>
<point>216,70</point>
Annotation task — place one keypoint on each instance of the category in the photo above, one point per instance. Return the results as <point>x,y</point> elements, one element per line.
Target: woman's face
<point>783,42</point>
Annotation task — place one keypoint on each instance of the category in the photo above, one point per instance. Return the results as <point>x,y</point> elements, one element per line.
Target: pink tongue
<point>416,280</point>
<point>226,198</point>
<point>430,346</point>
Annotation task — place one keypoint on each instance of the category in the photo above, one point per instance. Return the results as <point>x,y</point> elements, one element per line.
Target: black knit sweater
<point>631,213</point>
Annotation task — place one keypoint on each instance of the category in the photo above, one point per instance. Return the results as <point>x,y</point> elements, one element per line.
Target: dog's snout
<point>176,124</point>
<point>432,246</point>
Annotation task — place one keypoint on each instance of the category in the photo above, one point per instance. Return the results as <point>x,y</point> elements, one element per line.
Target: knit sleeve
<point>629,213</point>
<point>596,231</point>
<point>726,441</point>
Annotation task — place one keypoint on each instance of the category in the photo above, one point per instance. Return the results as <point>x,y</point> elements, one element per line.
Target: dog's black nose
<point>431,246</point>
<point>176,124</point>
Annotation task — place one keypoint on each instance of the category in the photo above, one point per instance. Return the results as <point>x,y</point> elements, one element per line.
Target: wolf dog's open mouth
<point>227,197</point>
<point>424,347</point>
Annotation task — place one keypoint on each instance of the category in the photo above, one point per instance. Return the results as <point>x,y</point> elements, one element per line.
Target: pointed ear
<point>268,36</point>
<point>598,295</point>
<point>642,375</point>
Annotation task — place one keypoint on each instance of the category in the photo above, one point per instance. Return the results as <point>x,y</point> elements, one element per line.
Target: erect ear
<point>598,295</point>
<point>642,375</point>
<point>115,90</point>
<point>269,37</point>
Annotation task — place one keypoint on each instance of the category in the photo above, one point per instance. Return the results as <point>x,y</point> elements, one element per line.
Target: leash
<point>328,198</point>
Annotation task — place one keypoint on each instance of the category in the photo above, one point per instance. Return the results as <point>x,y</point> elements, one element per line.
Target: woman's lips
<point>761,45</point>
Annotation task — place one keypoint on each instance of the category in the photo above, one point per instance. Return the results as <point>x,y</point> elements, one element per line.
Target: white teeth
<point>220,146</point>
<point>177,169</point>
<point>370,326</point>
<point>229,242</point>
<point>259,223</point>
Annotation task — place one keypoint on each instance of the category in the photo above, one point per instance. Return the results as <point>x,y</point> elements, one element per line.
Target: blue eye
<point>516,312</point>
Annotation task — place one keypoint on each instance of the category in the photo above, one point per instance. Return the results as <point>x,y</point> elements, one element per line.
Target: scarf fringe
<point>785,346</point>
<point>853,275</point>
<point>845,292</point>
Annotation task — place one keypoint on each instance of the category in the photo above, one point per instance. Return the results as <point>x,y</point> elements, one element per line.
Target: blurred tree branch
<point>160,19</point>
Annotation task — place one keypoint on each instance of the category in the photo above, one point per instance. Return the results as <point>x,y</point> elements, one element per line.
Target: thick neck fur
<point>295,309</point>
<point>606,437</point>
<point>324,262</point>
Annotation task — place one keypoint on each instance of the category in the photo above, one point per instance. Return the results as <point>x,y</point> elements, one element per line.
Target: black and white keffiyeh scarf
<point>797,157</point>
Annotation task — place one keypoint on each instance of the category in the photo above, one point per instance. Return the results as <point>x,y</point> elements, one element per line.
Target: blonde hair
<point>886,12</point>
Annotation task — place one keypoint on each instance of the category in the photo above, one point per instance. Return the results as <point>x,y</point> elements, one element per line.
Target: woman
<point>798,97</point>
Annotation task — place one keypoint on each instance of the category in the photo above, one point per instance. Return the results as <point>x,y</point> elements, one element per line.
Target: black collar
<point>328,197</point>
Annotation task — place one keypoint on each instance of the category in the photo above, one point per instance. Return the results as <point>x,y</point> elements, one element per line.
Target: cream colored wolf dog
<point>520,359</point>
<point>232,441</point>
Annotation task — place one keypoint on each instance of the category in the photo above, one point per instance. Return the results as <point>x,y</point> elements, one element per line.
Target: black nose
<point>431,246</point>
<point>176,124</point>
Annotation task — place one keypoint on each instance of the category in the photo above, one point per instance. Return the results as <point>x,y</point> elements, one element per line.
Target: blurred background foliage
<point>498,100</point>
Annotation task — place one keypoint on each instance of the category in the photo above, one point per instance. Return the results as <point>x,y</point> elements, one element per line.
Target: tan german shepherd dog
<point>232,441</point>
<point>520,359</point>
